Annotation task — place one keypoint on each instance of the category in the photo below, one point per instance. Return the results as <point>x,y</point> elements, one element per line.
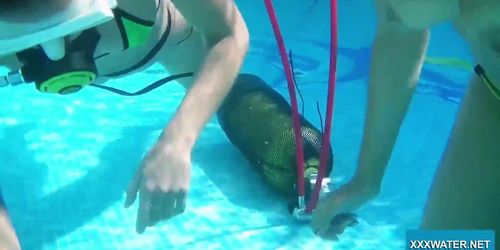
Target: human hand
<point>334,212</point>
<point>162,182</point>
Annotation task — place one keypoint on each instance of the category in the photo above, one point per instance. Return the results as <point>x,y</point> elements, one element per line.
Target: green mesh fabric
<point>258,121</point>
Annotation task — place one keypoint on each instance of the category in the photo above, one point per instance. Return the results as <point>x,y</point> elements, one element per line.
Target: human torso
<point>179,47</point>
<point>479,23</point>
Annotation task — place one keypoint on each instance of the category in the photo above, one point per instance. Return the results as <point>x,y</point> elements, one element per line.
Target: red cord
<point>291,91</point>
<point>329,106</point>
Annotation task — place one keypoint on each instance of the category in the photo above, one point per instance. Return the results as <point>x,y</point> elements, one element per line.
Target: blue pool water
<point>65,161</point>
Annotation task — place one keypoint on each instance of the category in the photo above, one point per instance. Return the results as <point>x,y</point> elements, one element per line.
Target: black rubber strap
<point>148,88</point>
<point>187,37</point>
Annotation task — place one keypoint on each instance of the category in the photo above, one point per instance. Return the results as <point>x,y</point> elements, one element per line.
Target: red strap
<point>329,106</point>
<point>325,146</point>
<point>293,98</point>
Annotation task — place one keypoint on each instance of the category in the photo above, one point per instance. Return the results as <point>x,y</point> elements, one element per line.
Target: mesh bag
<point>258,121</point>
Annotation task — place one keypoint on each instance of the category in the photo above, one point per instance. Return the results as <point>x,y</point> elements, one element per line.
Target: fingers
<point>326,234</point>
<point>336,226</point>
<point>319,231</point>
<point>319,224</point>
<point>330,233</point>
<point>143,215</point>
<point>167,205</point>
<point>156,209</point>
<point>157,206</point>
<point>180,204</point>
<point>133,188</point>
<point>161,207</point>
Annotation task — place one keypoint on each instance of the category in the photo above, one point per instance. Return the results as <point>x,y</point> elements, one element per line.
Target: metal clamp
<point>13,78</point>
<point>3,82</point>
<point>325,182</point>
<point>300,212</point>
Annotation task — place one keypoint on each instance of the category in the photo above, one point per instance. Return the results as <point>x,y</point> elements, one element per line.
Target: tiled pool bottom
<point>71,158</point>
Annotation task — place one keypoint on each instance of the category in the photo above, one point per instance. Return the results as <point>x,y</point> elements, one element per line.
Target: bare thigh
<point>466,190</point>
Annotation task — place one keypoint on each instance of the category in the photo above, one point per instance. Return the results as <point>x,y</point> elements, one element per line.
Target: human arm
<point>164,177</point>
<point>226,36</point>
<point>397,57</point>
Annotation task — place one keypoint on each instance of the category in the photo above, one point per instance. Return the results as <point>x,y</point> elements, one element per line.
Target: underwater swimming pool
<point>66,160</point>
